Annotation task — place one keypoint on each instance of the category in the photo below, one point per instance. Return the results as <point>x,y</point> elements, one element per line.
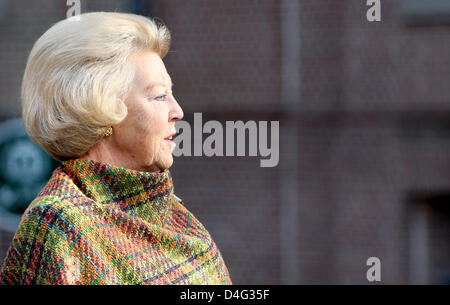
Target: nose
<point>176,113</point>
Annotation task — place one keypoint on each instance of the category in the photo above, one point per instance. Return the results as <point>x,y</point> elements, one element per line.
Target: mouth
<point>170,137</point>
<point>170,141</point>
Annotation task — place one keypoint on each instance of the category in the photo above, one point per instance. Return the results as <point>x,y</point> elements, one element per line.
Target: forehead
<point>150,70</point>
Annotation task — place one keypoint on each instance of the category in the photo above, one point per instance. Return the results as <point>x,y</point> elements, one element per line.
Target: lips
<point>170,136</point>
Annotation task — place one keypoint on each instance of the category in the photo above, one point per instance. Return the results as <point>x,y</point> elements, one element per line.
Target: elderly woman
<point>96,96</point>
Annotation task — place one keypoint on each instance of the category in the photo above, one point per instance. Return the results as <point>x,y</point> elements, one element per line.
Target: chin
<point>165,164</point>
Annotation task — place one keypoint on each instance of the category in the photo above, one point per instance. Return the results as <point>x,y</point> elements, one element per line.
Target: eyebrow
<point>150,86</point>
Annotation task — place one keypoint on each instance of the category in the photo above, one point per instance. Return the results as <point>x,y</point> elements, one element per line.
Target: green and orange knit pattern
<point>95,223</point>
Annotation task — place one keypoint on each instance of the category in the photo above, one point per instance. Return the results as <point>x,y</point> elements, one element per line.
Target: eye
<point>161,97</point>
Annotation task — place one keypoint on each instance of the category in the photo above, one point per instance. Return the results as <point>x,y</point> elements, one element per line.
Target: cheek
<point>153,126</point>
<point>146,127</point>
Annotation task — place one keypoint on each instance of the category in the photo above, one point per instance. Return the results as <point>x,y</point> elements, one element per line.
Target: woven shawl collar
<point>94,223</point>
<point>126,188</point>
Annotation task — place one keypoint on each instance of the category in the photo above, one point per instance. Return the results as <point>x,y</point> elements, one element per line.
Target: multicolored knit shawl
<point>95,223</point>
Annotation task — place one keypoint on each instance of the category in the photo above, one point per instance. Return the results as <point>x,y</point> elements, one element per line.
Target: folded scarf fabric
<point>94,223</point>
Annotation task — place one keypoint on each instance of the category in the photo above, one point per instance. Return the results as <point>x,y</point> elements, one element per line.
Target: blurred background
<point>364,116</point>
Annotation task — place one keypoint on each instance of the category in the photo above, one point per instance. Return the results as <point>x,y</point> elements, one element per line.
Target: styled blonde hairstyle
<point>78,75</point>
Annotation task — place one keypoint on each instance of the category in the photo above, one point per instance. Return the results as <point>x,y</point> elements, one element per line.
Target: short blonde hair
<point>78,75</point>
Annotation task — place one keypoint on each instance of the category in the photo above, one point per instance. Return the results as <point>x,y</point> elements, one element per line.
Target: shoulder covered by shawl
<point>97,224</point>
<point>42,248</point>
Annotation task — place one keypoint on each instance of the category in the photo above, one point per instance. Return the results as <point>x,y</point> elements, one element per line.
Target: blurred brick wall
<point>360,84</point>
<point>364,84</point>
<point>225,63</point>
<point>21,24</point>
<point>371,127</point>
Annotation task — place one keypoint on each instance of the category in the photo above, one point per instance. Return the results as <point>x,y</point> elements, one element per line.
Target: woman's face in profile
<point>143,136</point>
